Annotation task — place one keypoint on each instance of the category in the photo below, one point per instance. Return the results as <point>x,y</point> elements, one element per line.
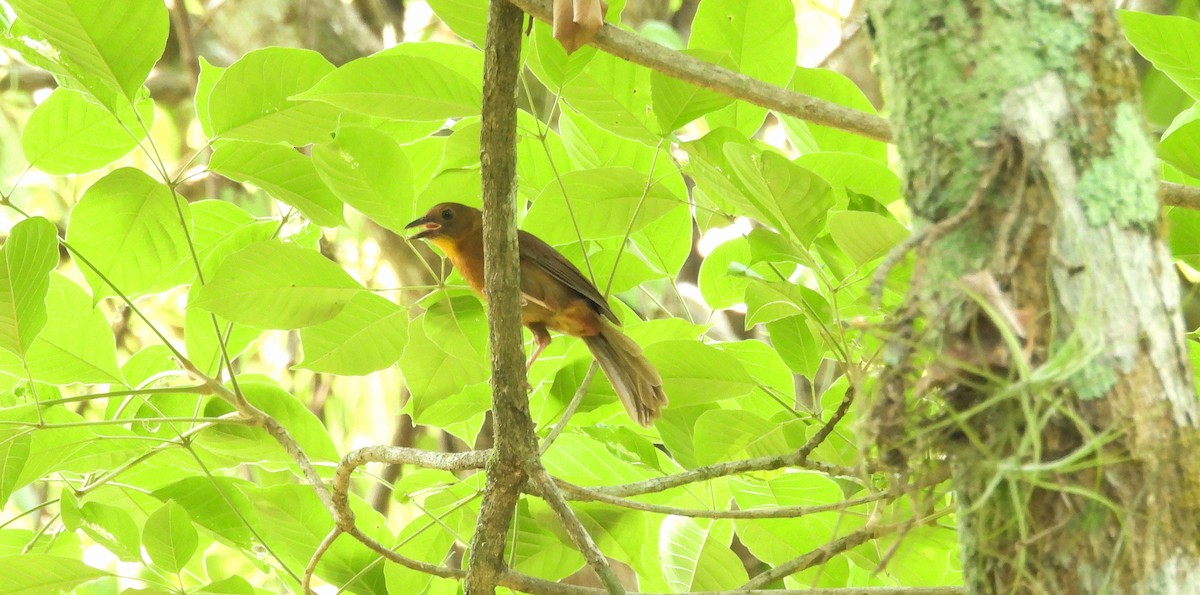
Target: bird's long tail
<point>633,377</point>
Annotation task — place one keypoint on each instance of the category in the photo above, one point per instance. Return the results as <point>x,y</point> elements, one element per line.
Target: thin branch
<point>830,424</point>
<point>575,529</point>
<point>575,492</point>
<point>1179,195</point>
<point>821,555</point>
<point>536,586</point>
<point>639,50</point>
<point>570,410</point>
<point>316,557</point>
<point>767,463</point>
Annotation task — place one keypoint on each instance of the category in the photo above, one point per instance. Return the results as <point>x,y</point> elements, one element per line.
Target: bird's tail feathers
<point>633,377</point>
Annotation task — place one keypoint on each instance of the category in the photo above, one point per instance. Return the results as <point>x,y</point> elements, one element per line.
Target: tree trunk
<point>1044,308</point>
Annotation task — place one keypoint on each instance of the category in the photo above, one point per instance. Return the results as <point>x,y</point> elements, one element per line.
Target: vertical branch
<point>514,438</point>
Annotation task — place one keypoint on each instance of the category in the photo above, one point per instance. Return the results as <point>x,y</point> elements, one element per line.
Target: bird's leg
<point>542,337</point>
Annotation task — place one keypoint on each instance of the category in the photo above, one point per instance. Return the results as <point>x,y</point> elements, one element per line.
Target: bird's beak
<point>427,227</point>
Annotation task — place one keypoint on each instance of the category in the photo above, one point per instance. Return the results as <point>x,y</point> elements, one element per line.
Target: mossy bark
<point>1068,390</point>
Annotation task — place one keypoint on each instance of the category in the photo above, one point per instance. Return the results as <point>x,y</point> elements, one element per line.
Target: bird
<point>555,296</point>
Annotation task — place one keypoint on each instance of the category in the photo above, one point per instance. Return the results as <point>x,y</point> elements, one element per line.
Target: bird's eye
<point>447,214</point>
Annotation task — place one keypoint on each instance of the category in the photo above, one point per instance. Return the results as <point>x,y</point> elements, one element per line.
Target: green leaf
<point>367,335</point>
<point>216,503</point>
<point>677,103</point>
<point>855,172</point>
<point>791,197</point>
<point>203,337</point>
<point>209,75</point>
<point>775,541</point>
<point>431,370</point>
<point>298,522</point>
<point>694,373</point>
<point>272,284</point>
<point>831,86</point>
<point>41,574</point>
<point>111,527</point>
<point>14,451</point>
<point>1170,43</point>
<point>222,228</point>
<point>586,461</point>
<point>284,173</point>
<point>28,256</point>
<point>129,229</point>
<point>109,48</point>
<point>75,346</point>
<point>1180,144</point>
<point>467,18</point>
<point>724,274</point>
<point>759,38</point>
<point>615,95</point>
<point>864,236</point>
<point>400,87</point>
<point>696,556</point>
<point>768,301</point>
<point>796,344</point>
<point>551,63</point>
<point>169,537</point>
<point>70,134</point>
<point>251,101</point>
<point>730,434</point>
<point>369,171</point>
<point>608,202</point>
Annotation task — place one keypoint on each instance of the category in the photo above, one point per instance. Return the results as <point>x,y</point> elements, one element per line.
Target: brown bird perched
<point>554,296</point>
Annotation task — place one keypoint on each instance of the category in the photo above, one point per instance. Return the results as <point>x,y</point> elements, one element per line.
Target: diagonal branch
<point>579,535</point>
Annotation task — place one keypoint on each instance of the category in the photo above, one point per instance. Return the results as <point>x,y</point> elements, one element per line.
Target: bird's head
<point>447,221</point>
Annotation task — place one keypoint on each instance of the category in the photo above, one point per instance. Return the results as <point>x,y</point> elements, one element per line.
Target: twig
<point>570,410</point>
<point>575,529</point>
<point>767,463</point>
<point>1179,195</point>
<point>311,569</point>
<point>820,555</point>
<point>830,424</point>
<point>781,512</point>
<point>639,50</point>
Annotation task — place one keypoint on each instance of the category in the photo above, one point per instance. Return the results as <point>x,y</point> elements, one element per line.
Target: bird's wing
<point>543,255</point>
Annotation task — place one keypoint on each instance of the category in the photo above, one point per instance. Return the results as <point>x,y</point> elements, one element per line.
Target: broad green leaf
<point>864,236</point>
<point>791,197</point>
<point>367,335</point>
<point>222,228</point>
<point>696,556</point>
<point>300,422</point>
<point>731,434</point>
<point>677,103</point>
<point>1180,144</point>
<point>592,147</point>
<point>537,551</point>
<point>251,101</point>
<point>854,172</point>
<point>586,461</point>
<point>551,63</point>
<point>218,504</point>
<point>209,75</point>
<point>284,173</point>
<point>431,372</point>
<point>796,344</point>
<point>835,87</point>
<point>298,522</point>
<point>1170,43</point>
<point>75,346</point>
<point>14,451</point>
<point>203,336</point>
<point>169,537</point>
<point>26,259</point>
<point>70,134</point>
<point>464,60</point>
<point>367,170</point>
<point>40,574</point>
<point>233,585</point>
<point>111,527</point>
<point>724,274</point>
<point>272,284</point>
<point>467,18</point>
<point>109,48</point>
<point>759,38</point>
<point>768,301</point>
<point>608,202</point>
<point>400,87</point>
<point>129,230</point>
<point>775,541</point>
<point>615,95</point>
<point>694,373</point>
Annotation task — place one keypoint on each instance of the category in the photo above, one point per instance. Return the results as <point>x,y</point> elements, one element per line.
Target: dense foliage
<point>216,244</point>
